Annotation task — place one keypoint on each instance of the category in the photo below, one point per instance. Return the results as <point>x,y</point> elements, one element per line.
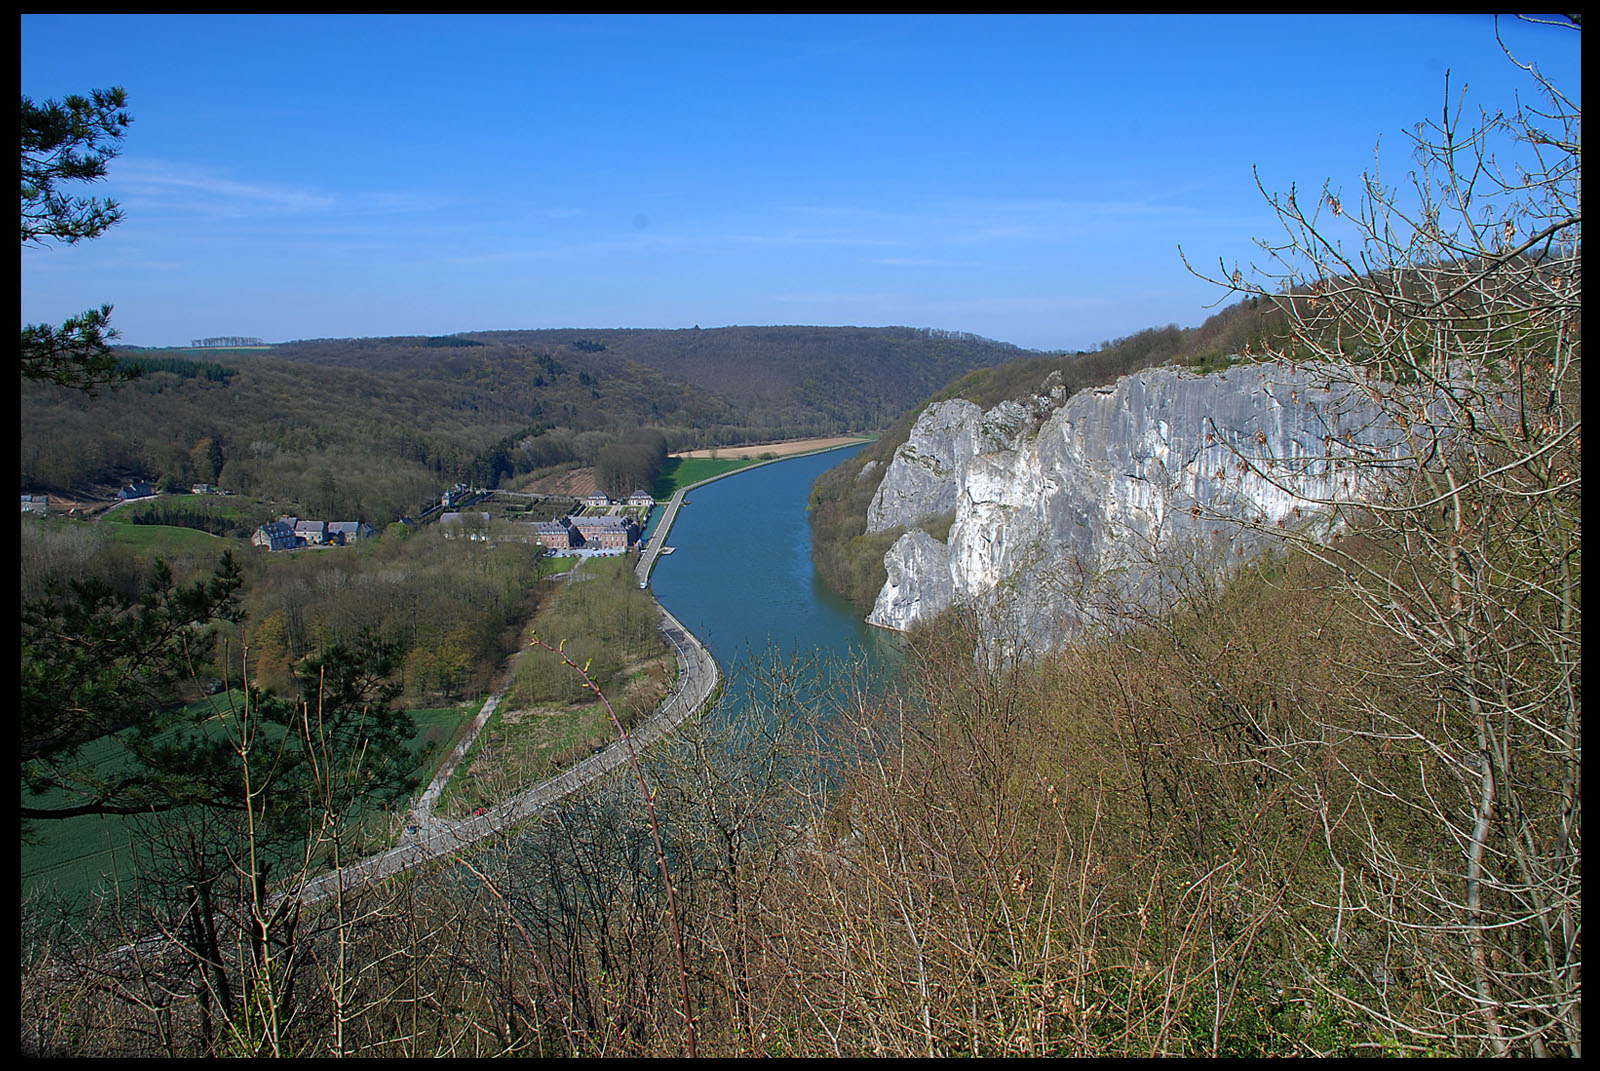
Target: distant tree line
<point>178,366</point>
<point>370,428</point>
<point>225,341</point>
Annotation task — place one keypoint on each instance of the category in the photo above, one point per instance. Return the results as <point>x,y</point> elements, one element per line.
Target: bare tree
<point>1453,301</point>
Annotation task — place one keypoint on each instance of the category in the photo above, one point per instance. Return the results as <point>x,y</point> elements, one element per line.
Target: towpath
<point>428,837</point>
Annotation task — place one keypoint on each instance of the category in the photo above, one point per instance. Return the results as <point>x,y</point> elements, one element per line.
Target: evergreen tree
<point>71,140</point>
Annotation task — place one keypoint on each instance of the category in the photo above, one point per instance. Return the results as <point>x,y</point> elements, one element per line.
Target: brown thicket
<point>1454,301</point>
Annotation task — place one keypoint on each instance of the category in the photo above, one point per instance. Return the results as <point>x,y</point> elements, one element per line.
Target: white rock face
<point>1070,514</point>
<point>918,584</point>
<point>928,472</point>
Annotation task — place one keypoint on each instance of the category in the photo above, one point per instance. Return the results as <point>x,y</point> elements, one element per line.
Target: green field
<point>236,507</point>
<point>684,471</point>
<point>161,537</point>
<point>74,857</point>
<point>183,523</point>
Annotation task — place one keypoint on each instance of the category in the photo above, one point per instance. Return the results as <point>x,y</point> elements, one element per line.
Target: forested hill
<point>792,381</point>
<point>373,427</point>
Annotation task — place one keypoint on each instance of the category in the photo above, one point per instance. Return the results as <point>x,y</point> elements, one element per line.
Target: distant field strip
<point>784,449</point>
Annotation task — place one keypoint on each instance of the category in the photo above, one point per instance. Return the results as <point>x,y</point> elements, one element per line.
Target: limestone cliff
<point>1075,511</point>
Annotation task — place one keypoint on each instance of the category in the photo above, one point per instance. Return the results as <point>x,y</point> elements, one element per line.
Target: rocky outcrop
<point>1074,512</point>
<point>929,471</point>
<point>919,584</point>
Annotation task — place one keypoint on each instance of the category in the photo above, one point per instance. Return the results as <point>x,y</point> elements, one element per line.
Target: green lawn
<point>438,726</point>
<point>232,507</point>
<point>74,855</point>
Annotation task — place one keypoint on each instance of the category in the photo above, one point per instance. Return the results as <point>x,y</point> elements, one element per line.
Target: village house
<point>38,505</point>
<point>289,532</point>
<point>312,533</point>
<point>275,535</point>
<point>343,533</point>
<point>136,489</point>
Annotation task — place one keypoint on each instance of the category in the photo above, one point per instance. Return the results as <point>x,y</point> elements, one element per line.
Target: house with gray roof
<point>276,535</point>
<point>606,533</point>
<point>343,533</point>
<point>554,535</point>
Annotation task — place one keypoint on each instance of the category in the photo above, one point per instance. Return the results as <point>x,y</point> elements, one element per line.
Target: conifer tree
<point>67,141</point>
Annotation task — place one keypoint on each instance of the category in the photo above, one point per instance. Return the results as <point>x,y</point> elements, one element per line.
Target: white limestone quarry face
<point>1058,504</point>
<point>999,516</point>
<point>929,470</point>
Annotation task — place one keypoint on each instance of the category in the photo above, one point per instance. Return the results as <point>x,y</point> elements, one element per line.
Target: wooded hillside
<point>375,426</point>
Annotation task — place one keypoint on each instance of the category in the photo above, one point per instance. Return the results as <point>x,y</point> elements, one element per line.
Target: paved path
<point>658,540</point>
<point>434,837</point>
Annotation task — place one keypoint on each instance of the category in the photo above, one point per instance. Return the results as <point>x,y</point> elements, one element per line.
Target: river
<point>741,576</point>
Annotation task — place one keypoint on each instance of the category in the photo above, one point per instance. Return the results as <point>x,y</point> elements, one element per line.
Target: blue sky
<point>1028,179</point>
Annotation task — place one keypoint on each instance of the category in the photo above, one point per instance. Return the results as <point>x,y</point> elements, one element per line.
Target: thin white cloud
<point>395,204</point>
<point>206,188</point>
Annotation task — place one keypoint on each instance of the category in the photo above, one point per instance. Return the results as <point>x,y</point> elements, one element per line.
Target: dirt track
<point>784,449</point>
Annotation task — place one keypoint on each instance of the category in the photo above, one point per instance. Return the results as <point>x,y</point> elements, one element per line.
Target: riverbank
<point>655,545</point>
